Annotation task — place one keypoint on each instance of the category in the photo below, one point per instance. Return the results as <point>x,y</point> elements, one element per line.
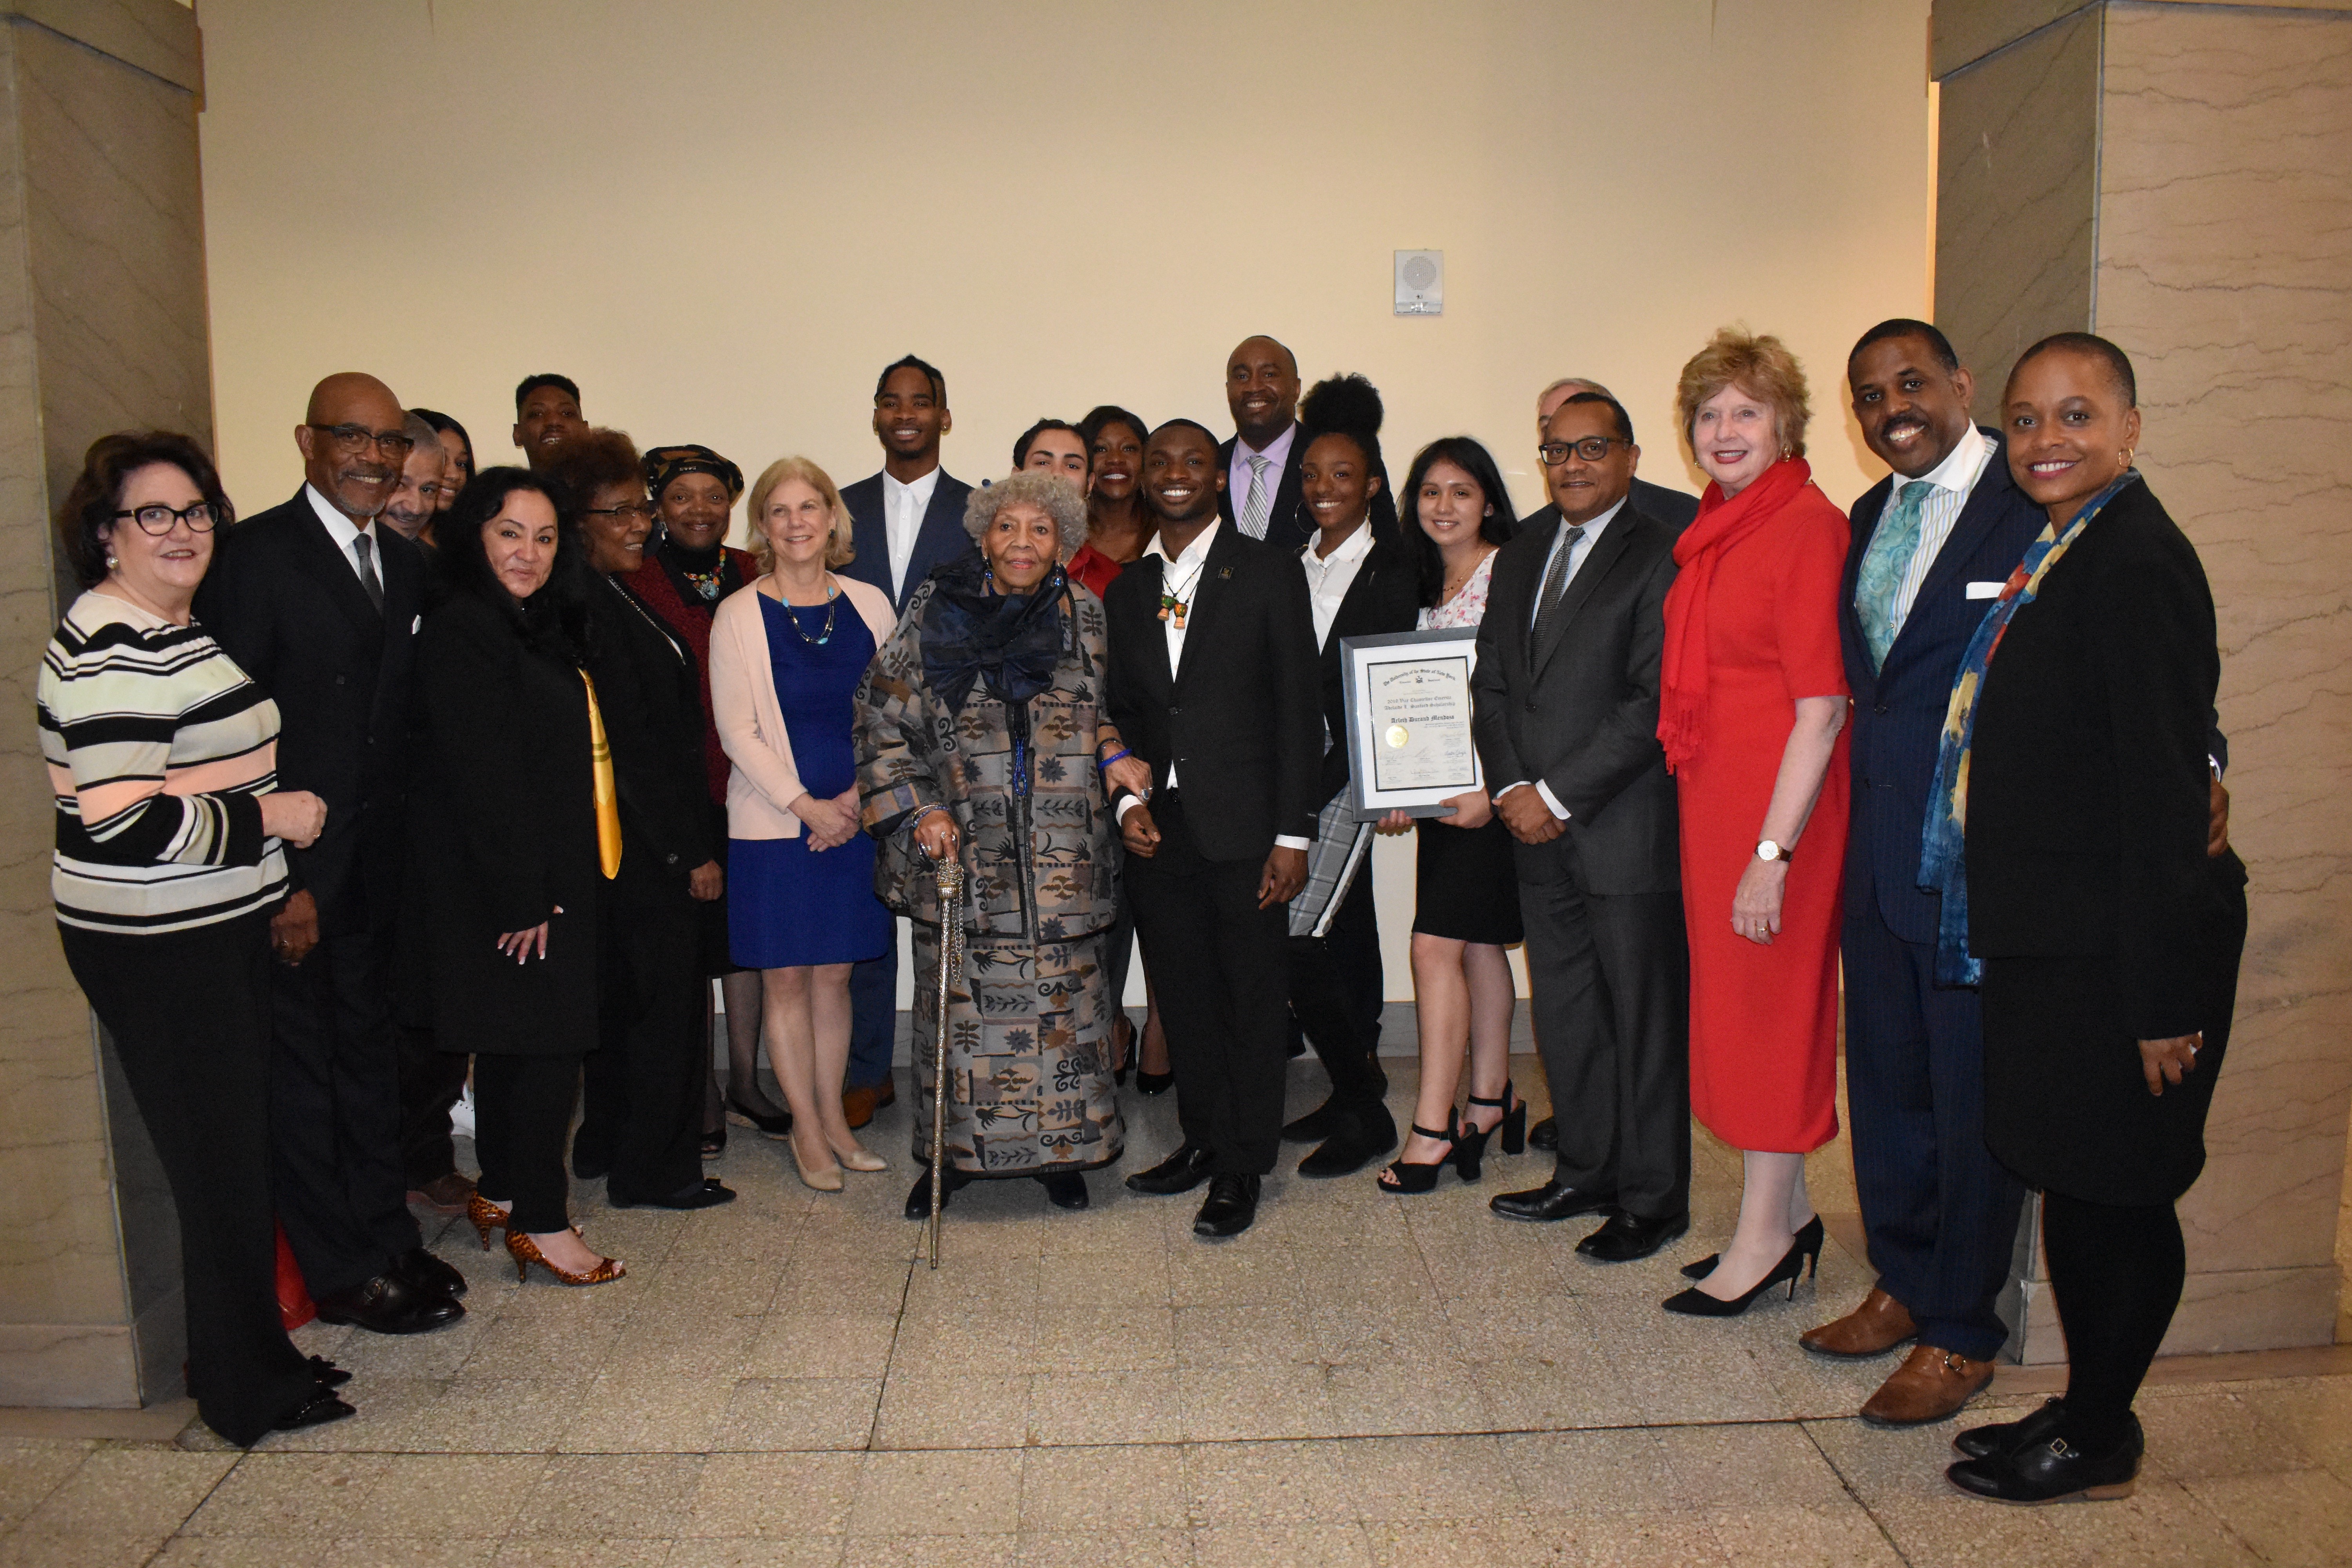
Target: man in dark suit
<point>1261,497</point>
<point>1212,682</point>
<point>1673,507</point>
<point>904,521</point>
<point>547,415</point>
<point>1566,706</point>
<point>321,608</point>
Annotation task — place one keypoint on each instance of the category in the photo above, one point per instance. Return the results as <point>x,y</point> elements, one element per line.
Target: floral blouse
<point>1468,605</point>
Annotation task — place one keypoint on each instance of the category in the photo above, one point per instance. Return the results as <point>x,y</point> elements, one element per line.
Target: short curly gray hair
<point>1055,497</point>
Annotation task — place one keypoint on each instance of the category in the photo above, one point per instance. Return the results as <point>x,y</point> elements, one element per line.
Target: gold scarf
<point>608,794</point>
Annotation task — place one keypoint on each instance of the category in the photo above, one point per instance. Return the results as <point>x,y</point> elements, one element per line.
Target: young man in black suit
<point>547,415</point>
<point>321,608</point>
<point>904,520</point>
<point>1565,702</point>
<point>1260,464</point>
<point>1212,682</point>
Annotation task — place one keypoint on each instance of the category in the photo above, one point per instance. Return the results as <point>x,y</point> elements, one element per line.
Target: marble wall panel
<point>2017,188</point>
<point>2225,216</point>
<point>1966,30</point>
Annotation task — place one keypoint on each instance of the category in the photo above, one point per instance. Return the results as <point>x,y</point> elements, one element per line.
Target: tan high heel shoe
<point>526,1252</point>
<point>861,1158</point>
<point>485,1215</point>
<point>824,1179</point>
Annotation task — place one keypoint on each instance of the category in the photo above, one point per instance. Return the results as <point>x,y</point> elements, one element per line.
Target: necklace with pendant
<point>705,584</point>
<point>832,608</point>
<point>1174,601</point>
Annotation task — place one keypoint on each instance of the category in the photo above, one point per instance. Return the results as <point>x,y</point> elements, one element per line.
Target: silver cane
<point>949,872</point>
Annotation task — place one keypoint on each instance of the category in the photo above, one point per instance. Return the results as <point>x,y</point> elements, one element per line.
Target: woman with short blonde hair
<point>786,656</point>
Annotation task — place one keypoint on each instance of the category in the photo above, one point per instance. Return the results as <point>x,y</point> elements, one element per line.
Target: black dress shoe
<point>1355,1143</point>
<point>1317,1124</point>
<point>707,1193</point>
<point>1991,1442</point>
<point>1065,1189</point>
<point>1544,1135</point>
<point>1231,1208</point>
<point>2054,1469</point>
<point>1627,1236</point>
<point>319,1409</point>
<point>1153,1083</point>
<point>420,1268</point>
<point>590,1167</point>
<point>388,1305</point>
<point>1554,1200</point>
<point>330,1375</point>
<point>918,1197</point>
<point>1179,1172</point>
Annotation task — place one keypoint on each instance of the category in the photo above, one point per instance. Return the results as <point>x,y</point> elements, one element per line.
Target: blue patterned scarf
<point>1943,859</point>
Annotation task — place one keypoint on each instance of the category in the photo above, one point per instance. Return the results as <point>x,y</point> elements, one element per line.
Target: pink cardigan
<point>763,784</point>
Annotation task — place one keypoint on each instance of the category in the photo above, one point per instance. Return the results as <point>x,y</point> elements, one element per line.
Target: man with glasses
<point>1673,507</point>
<point>321,606</point>
<point>1564,708</point>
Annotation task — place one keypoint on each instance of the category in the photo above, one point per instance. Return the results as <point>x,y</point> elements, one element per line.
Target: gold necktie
<point>608,795</point>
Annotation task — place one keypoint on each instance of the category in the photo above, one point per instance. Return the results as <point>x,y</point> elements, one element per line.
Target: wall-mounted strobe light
<point>1421,282</point>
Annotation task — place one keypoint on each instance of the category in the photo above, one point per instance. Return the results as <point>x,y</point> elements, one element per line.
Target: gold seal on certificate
<point>1409,746</point>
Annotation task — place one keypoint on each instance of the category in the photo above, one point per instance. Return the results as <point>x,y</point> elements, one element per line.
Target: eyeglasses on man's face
<point>157,519</point>
<point>352,439</point>
<point>1593,449</point>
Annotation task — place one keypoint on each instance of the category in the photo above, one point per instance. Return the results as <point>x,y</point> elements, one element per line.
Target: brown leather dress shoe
<point>857,1105</point>
<point>886,1091</point>
<point>1931,1383</point>
<point>1876,1327</point>
<point>444,1194</point>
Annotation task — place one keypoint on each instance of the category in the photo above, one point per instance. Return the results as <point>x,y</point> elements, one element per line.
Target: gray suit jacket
<point>1581,713</point>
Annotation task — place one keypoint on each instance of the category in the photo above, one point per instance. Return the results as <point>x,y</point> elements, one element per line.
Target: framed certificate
<point>1408,709</point>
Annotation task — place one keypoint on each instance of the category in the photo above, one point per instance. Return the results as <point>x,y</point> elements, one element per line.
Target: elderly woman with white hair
<point>981,735</point>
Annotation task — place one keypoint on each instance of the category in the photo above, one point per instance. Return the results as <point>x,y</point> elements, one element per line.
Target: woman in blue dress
<point>787,653</point>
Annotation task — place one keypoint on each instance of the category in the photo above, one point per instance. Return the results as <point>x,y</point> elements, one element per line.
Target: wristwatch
<point>1766,849</point>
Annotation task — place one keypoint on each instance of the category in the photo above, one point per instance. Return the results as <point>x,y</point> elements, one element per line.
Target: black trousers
<point>1336,993</point>
<point>189,1012</point>
<point>2117,1273</point>
<point>430,1082</point>
<point>334,1122</point>
<point>873,1015</point>
<point>522,1109</point>
<point>642,1090</point>
<point>1221,967</point>
<point>1939,1210</point>
<point>1608,977</point>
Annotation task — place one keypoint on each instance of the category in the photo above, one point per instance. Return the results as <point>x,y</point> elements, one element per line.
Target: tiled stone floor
<point>1359,1380</point>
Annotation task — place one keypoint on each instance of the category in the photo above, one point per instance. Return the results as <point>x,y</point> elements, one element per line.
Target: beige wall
<point>723,218</point>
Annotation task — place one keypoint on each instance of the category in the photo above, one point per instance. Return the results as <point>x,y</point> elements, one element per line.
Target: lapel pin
<point>1224,573</point>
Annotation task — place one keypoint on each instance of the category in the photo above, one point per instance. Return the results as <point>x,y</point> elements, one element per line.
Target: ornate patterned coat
<point>1040,865</point>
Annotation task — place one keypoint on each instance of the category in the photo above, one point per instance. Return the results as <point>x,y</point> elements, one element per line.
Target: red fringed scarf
<point>1720,525</point>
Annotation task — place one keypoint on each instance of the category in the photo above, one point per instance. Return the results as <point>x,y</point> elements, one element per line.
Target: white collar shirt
<point>344,531</point>
<point>1328,577</point>
<point>1583,548</point>
<point>1955,480</point>
<point>903,507</point>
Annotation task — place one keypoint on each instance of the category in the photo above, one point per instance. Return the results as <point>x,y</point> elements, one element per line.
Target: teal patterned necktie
<point>1882,565</point>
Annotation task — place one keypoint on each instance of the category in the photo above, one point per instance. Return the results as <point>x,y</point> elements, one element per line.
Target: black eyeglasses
<point>633,511</point>
<point>1593,449</point>
<point>352,439</point>
<point>158,519</point>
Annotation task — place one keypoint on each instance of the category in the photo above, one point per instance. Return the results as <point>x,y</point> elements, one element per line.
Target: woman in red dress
<point>1752,717</point>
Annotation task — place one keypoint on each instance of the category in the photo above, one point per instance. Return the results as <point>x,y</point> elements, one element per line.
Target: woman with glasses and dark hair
<point>642,1092</point>
<point>1456,512</point>
<point>163,757</point>
<point>458,447</point>
<point>689,567</point>
<point>523,837</point>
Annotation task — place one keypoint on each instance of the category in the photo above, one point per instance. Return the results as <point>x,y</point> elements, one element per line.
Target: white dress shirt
<point>903,507</point>
<point>1328,577</point>
<point>1954,479</point>
<point>1181,578</point>
<point>1238,476</point>
<point>343,531</point>
<point>1583,548</point>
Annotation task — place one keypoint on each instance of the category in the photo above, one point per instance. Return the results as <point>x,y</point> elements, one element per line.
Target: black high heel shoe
<point>1697,1304</point>
<point>1808,1237</point>
<point>1153,1083</point>
<point>1123,1042</point>
<point>1470,1144</point>
<point>779,1125</point>
<point>1411,1177</point>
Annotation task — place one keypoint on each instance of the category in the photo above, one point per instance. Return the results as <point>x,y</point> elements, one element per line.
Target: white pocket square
<point>1984,590</point>
<point>417,624</point>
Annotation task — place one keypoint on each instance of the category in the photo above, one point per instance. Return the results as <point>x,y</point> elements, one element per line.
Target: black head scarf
<point>1011,640</point>
<point>664,464</point>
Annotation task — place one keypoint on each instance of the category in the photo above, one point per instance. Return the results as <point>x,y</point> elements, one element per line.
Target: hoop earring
<point>2128,456</point>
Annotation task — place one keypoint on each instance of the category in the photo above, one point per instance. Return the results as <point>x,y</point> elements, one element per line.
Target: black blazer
<point>1582,714</point>
<point>289,608</point>
<point>940,539</point>
<point>2087,792</point>
<point>1384,598</point>
<point>651,700</point>
<point>1241,719</point>
<point>1675,509</point>
<point>1288,526</point>
<point>506,829</point>
<point>1897,719</point>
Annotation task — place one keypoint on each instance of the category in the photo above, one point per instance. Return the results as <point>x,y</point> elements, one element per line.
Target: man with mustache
<point>547,415</point>
<point>1261,463</point>
<point>409,511</point>
<point>321,606</point>
<point>1213,682</point>
<point>904,520</point>
<point>1672,507</point>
